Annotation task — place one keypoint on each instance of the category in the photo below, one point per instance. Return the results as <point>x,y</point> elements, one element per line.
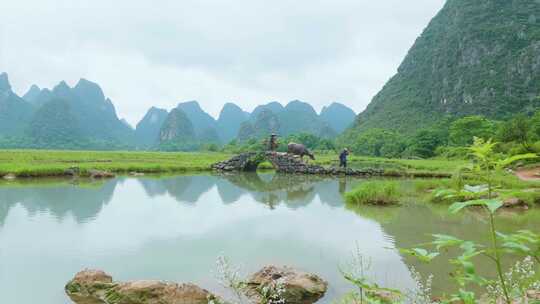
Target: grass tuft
<point>374,193</point>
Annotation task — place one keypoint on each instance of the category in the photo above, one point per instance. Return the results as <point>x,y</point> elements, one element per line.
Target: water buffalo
<point>299,149</point>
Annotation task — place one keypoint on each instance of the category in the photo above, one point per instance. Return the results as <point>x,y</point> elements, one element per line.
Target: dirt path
<point>531,174</point>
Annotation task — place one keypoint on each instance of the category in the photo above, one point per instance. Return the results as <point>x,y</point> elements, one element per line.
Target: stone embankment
<point>97,287</point>
<point>286,163</point>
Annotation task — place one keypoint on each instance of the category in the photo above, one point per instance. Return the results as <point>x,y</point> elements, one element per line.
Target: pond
<point>174,228</point>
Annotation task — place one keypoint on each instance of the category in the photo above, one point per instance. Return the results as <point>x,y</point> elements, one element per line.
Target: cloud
<point>146,53</point>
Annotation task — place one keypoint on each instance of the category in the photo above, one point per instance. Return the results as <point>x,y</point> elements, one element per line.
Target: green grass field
<point>34,163</point>
<point>397,165</point>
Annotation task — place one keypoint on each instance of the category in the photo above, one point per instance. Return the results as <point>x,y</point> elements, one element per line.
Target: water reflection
<point>60,198</point>
<point>85,199</point>
<point>174,227</point>
<point>269,189</point>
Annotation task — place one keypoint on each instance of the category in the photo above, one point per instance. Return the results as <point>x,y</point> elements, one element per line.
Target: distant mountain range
<point>83,118</point>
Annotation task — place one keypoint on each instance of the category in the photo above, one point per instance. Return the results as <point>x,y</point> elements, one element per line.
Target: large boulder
<point>97,287</point>
<point>290,285</point>
<point>89,287</point>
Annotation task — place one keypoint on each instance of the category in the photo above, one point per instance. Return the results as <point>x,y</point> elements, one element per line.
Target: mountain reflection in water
<point>173,228</point>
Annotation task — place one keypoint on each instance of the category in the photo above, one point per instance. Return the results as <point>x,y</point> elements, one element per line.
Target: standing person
<point>273,145</point>
<point>343,158</point>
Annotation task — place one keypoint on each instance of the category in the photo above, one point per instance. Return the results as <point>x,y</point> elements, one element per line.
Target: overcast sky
<point>161,52</point>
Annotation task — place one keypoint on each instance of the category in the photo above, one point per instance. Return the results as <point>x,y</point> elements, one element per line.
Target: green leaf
<point>442,241</point>
<point>493,205</point>
<point>468,297</point>
<point>420,253</point>
<point>508,161</point>
<point>457,207</point>
<point>514,246</point>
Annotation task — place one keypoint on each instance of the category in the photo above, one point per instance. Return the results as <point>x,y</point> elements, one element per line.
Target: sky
<point>250,52</point>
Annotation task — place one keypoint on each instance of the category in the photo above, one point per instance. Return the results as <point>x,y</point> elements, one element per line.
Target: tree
<point>378,142</point>
<point>535,126</point>
<point>463,130</point>
<point>425,142</point>
<point>515,130</point>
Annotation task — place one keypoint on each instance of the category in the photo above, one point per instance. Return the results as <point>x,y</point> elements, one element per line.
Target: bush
<point>374,193</point>
<point>452,152</point>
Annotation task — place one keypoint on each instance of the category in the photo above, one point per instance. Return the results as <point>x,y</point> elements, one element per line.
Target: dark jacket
<point>343,155</point>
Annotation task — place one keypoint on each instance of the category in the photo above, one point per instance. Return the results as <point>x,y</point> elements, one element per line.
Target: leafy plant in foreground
<point>486,164</point>
<point>369,292</point>
<point>356,273</point>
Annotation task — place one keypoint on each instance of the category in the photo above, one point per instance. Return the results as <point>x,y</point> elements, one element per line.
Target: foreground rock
<point>297,287</point>
<point>533,295</point>
<point>292,286</point>
<point>100,174</point>
<point>97,287</point>
<point>530,297</point>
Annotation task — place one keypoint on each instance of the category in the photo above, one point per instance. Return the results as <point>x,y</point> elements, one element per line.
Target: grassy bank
<point>439,191</point>
<point>396,165</point>
<point>35,163</point>
<point>374,193</point>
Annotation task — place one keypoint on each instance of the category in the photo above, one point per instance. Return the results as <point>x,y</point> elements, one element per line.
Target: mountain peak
<point>32,94</point>
<point>336,106</point>
<point>85,82</point>
<point>190,105</point>
<point>231,109</point>
<point>200,120</point>
<point>89,90</point>
<point>156,109</point>
<point>4,82</point>
<point>273,106</point>
<point>62,89</point>
<point>231,105</point>
<point>338,116</point>
<point>298,105</point>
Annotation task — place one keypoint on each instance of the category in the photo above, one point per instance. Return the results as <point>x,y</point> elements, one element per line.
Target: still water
<point>174,228</point>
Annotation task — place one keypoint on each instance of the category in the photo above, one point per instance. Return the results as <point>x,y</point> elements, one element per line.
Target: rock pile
<point>240,162</point>
<point>289,163</point>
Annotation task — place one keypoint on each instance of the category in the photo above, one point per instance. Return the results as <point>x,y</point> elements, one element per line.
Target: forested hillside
<point>475,57</point>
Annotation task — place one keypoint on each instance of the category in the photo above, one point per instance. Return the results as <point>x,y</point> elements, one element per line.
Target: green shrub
<point>452,152</point>
<point>374,193</point>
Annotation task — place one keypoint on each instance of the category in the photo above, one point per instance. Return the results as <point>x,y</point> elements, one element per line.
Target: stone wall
<point>241,162</point>
<point>286,163</point>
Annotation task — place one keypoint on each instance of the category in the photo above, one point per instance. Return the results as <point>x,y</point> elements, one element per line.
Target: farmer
<point>343,158</point>
<point>273,144</point>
